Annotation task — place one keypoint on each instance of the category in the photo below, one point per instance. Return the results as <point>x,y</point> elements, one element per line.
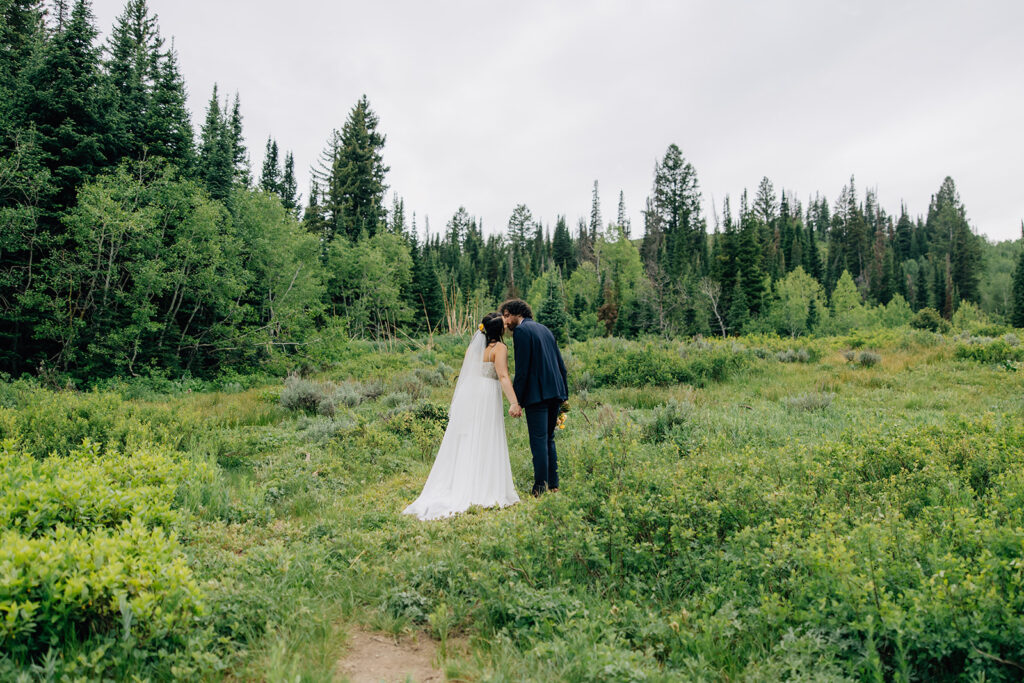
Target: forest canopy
<point>134,241</point>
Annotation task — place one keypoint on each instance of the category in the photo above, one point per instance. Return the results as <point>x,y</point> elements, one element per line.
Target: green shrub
<point>793,356</point>
<point>868,359</point>
<point>45,422</point>
<point>929,319</point>
<point>674,416</point>
<point>638,364</point>
<point>126,579</point>
<point>990,350</point>
<point>301,394</point>
<point>85,547</point>
<point>408,384</point>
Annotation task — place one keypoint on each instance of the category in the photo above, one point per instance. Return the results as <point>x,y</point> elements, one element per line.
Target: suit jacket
<point>540,371</point>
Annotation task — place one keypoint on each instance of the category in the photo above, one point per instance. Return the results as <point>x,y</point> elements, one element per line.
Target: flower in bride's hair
<point>480,327</point>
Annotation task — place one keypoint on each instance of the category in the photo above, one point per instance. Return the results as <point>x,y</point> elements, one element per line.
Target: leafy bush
<point>433,378</point>
<point>396,399</point>
<point>637,364</point>
<point>929,319</point>
<point>322,428</point>
<point>673,417</point>
<point>84,548</point>
<point>45,422</point>
<point>301,394</point>
<point>868,359</point>
<point>408,384</point>
<point>581,381</point>
<point>349,394</point>
<point>990,350</point>
<point>88,489</point>
<point>129,578</point>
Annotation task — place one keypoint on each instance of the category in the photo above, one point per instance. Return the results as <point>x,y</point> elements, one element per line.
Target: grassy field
<point>757,509</point>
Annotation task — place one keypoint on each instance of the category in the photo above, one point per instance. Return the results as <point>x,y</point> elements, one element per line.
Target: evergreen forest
<point>135,241</point>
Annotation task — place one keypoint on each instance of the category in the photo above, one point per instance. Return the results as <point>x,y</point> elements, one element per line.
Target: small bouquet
<point>563,411</point>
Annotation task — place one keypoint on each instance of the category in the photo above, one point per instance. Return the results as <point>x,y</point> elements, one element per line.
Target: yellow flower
<point>480,327</point>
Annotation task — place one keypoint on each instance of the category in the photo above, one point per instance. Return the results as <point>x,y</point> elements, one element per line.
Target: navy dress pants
<point>541,419</point>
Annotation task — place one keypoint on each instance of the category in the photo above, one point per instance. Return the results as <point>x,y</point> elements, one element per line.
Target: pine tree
<point>1017,314</point>
<point>356,190</point>
<point>170,125</point>
<point>552,312</point>
<point>727,245</point>
<point>132,71</point>
<point>812,259</point>
<point>739,310</point>
<point>314,221</point>
<point>748,259</point>
<point>676,204</point>
<point>21,33</point>
<point>938,285</point>
<point>595,215</point>
<point>584,251</point>
<point>520,229</point>
<point>850,234</point>
<point>270,177</point>
<point>215,152</point>
<point>396,224</point>
<point>242,173</point>
<point>426,289</point>
<point>952,235</point>
<point>61,101</point>
<point>290,197</point>
<point>904,236</point>
<point>921,299</point>
<point>950,293</point>
<point>539,251</point>
<point>25,191</point>
<point>562,249</point>
<point>623,221</point>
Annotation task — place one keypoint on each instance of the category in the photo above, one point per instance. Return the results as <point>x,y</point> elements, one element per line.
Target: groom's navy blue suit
<point>540,385</point>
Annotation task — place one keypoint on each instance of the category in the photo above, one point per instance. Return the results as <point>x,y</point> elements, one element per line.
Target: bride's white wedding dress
<point>472,465</point>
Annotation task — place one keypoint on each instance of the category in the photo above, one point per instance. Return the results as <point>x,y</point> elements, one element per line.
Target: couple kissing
<point>472,464</point>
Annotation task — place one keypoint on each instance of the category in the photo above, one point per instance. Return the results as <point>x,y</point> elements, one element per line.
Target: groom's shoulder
<point>530,326</point>
<point>539,329</point>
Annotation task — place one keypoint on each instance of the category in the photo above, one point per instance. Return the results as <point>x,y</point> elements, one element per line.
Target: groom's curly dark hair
<point>516,307</point>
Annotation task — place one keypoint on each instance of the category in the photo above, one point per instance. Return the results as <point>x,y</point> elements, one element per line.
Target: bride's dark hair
<point>494,327</point>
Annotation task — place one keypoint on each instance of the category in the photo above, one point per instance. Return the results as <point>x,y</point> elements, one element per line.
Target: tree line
<point>129,242</point>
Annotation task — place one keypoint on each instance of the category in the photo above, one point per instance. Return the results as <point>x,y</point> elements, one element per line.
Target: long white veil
<point>465,398</point>
<point>472,464</point>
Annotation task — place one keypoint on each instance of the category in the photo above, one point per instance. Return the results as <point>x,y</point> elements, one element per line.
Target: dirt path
<point>374,657</point>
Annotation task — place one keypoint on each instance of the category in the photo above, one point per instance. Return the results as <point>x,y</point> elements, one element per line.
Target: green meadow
<point>754,509</point>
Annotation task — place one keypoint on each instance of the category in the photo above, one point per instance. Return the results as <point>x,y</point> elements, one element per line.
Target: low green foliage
<point>88,551</point>
<point>811,520</point>
<point>620,362</point>
<point>988,350</point>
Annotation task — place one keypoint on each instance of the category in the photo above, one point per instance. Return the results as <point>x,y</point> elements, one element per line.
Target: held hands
<point>515,410</point>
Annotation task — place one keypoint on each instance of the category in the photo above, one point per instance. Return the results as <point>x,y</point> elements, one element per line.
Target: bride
<point>472,465</point>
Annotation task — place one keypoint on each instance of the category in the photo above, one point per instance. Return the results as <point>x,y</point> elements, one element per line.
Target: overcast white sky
<point>487,105</point>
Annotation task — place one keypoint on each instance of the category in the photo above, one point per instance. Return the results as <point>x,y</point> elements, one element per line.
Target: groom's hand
<point>515,410</point>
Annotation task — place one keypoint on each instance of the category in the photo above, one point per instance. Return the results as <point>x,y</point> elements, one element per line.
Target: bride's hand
<point>515,410</point>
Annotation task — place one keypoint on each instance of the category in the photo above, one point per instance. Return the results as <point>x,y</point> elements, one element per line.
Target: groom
<point>541,387</point>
